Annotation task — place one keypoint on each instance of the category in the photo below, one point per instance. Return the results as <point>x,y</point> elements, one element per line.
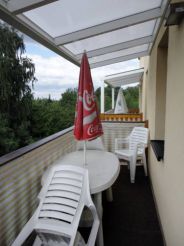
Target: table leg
<point>109,195</point>
<point>99,208</point>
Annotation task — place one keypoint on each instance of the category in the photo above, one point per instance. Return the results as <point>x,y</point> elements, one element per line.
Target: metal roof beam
<point>118,59</point>
<point>128,79</point>
<point>20,6</point>
<point>121,83</point>
<point>26,26</point>
<point>109,26</point>
<point>133,72</point>
<point>118,47</point>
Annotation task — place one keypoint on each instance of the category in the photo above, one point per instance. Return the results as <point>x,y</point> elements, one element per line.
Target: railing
<point>21,171</point>
<point>122,117</point>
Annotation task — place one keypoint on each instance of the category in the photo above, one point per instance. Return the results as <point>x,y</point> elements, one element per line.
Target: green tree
<point>132,97</point>
<point>16,78</point>
<point>68,104</point>
<point>46,118</point>
<point>8,140</point>
<point>51,116</point>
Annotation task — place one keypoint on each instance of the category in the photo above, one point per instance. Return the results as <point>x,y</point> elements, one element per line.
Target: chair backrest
<point>139,135</point>
<point>65,194</point>
<point>95,144</point>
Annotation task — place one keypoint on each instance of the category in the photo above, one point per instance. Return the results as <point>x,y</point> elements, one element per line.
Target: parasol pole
<point>85,140</point>
<point>84,153</point>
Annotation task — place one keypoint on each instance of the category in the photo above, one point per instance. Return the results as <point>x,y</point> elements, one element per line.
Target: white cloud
<point>55,70</point>
<point>55,74</point>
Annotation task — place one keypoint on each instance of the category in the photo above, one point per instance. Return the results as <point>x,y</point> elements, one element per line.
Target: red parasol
<point>87,124</point>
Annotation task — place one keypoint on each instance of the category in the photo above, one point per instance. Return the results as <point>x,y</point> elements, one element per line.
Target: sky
<point>55,74</point>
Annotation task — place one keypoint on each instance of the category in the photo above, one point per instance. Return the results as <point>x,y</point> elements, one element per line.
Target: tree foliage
<point>132,97</point>
<point>16,74</point>
<point>51,116</point>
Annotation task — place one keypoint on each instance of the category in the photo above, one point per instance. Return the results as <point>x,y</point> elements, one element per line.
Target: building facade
<point>163,106</point>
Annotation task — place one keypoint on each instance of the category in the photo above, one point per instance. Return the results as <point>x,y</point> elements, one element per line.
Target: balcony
<point>130,218</point>
<point>124,33</point>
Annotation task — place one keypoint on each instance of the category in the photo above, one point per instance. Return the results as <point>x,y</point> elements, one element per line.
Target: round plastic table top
<point>103,167</point>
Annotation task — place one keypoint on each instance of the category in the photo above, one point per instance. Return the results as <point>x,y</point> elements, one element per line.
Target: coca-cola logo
<point>88,100</point>
<point>94,129</point>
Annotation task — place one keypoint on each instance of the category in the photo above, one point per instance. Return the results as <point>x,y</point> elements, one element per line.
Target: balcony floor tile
<point>131,218</point>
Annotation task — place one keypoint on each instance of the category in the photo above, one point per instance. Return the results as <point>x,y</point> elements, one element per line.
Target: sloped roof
<point>124,78</point>
<point>110,31</point>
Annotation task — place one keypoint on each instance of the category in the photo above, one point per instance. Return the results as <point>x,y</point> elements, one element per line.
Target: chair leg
<point>99,208</point>
<point>145,164</point>
<point>128,165</point>
<point>132,169</point>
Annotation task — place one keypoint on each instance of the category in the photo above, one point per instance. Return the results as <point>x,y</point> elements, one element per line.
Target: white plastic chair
<point>95,144</point>
<point>137,143</point>
<point>62,200</point>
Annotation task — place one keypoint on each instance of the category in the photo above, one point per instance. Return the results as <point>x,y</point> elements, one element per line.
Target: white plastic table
<point>103,171</point>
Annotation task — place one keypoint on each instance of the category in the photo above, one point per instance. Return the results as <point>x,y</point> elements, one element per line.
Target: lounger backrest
<point>63,196</point>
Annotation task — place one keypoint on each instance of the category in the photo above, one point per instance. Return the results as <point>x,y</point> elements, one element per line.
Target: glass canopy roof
<point>125,78</point>
<point>110,31</point>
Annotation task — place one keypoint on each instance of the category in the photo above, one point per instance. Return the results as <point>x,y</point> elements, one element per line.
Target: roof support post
<point>102,98</point>
<point>112,98</point>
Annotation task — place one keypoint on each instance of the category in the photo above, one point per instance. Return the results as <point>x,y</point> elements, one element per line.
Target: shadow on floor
<point>131,219</point>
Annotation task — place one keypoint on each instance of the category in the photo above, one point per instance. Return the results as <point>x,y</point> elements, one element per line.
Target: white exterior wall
<point>168,176</point>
